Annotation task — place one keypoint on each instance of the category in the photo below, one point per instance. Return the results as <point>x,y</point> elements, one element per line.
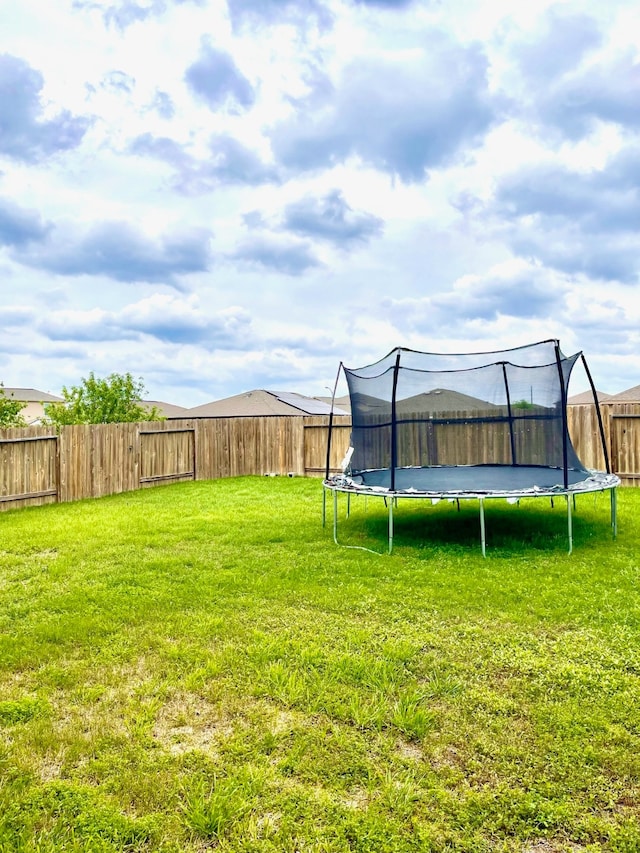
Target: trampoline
<point>471,426</point>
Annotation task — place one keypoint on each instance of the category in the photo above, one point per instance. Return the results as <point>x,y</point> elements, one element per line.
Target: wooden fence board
<point>625,446</point>
<point>75,463</point>
<point>166,455</point>
<point>585,434</point>
<point>29,470</point>
<point>314,450</point>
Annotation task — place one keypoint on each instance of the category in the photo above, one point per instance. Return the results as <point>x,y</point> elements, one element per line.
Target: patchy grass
<point>199,667</point>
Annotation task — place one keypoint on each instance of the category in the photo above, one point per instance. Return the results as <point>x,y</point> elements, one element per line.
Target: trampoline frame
<point>601,483</point>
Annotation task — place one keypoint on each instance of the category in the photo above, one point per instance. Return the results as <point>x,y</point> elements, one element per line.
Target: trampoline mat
<point>476,479</point>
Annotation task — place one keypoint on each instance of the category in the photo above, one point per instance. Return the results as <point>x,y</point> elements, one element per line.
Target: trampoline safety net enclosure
<point>465,426</point>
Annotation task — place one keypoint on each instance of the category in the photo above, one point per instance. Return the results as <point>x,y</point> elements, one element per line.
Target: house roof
<point>437,400</point>
<point>586,398</point>
<point>631,395</point>
<point>343,403</point>
<point>167,410</point>
<point>443,400</point>
<point>259,403</point>
<point>31,395</point>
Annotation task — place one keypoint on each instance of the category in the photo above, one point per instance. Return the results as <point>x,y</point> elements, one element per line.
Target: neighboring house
<point>631,395</point>
<point>438,400</point>
<point>260,403</point>
<point>167,410</point>
<point>343,403</point>
<point>35,400</point>
<point>586,398</point>
<point>443,400</point>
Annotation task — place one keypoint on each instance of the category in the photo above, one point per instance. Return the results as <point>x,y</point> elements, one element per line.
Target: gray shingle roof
<point>586,398</point>
<point>259,403</point>
<point>31,395</point>
<point>631,395</point>
<point>167,410</point>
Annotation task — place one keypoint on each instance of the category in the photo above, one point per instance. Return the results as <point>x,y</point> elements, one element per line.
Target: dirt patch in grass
<point>188,723</point>
<point>410,750</point>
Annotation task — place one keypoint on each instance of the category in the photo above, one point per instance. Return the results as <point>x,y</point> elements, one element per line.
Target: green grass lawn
<point>199,667</point>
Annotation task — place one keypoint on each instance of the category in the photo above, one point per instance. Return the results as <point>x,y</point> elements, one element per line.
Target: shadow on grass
<point>510,528</point>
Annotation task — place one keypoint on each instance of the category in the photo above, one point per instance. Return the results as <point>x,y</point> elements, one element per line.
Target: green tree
<point>116,399</point>
<point>10,411</point>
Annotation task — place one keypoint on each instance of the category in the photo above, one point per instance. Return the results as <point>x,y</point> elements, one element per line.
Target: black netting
<point>422,410</point>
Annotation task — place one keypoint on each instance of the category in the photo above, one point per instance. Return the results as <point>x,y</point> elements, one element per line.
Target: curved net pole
<point>394,427</point>
<point>598,414</point>
<point>333,397</point>
<point>565,425</point>
<point>511,435</point>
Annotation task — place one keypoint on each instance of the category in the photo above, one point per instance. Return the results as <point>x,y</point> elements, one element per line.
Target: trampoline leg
<point>483,539</point>
<point>348,504</point>
<point>335,517</point>
<point>324,507</point>
<point>570,523</point>
<point>390,526</point>
<point>614,512</point>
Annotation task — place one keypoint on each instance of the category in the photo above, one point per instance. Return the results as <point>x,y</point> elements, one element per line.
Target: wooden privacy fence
<point>621,423</point>
<point>37,466</point>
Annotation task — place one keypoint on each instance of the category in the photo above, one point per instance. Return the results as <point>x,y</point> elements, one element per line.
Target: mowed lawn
<point>198,667</point>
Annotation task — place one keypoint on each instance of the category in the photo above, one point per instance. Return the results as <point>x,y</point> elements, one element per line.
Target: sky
<point>223,195</point>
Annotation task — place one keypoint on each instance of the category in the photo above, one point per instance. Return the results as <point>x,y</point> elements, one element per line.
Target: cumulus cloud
<point>571,83</point>
<point>403,118</point>
<point>330,218</point>
<point>276,255</point>
<point>121,252</point>
<point>575,221</point>
<point>513,289</point>
<point>277,11</point>
<point>127,12</point>
<point>602,93</point>
<point>12,316</point>
<point>19,226</point>
<point>161,148</point>
<point>215,79</point>
<point>230,163</point>
<point>118,81</point>
<point>563,41</point>
<point>185,321</point>
<point>163,105</point>
<point>24,133</point>
<point>169,319</point>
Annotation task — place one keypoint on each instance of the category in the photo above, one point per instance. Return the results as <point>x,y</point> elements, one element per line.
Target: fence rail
<point>38,466</point>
